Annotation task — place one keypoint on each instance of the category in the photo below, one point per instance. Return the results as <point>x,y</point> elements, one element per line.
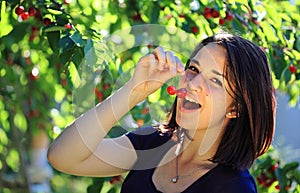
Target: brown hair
<point>247,72</point>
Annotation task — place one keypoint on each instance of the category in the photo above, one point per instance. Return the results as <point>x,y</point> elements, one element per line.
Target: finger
<point>179,66</point>
<point>152,63</point>
<point>170,62</point>
<point>159,54</point>
<point>146,60</point>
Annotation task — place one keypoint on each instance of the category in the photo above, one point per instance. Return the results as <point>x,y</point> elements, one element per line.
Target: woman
<point>212,135</point>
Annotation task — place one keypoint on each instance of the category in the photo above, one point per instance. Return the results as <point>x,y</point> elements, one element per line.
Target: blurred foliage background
<point>59,58</point>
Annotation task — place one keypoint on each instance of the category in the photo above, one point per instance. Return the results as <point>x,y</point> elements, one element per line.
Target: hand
<point>154,70</point>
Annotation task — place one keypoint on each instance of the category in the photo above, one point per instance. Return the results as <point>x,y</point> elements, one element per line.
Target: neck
<point>202,148</point>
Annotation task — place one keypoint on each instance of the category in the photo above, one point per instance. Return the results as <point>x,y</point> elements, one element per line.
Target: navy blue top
<point>151,146</point>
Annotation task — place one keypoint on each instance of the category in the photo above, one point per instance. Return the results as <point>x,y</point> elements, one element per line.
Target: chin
<point>189,124</point>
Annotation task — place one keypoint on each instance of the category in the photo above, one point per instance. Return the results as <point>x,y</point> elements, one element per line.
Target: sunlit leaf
<point>53,28</point>
<point>269,31</point>
<point>12,160</point>
<point>20,121</point>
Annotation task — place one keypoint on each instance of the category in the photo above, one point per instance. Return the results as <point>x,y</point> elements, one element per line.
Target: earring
<point>229,113</point>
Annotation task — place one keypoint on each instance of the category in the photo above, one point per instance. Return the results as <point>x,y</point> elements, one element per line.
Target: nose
<point>197,83</point>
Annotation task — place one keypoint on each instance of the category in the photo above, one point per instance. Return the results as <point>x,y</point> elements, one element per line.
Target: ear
<point>232,114</point>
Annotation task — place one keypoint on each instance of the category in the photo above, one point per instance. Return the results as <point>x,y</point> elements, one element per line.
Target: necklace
<point>181,136</point>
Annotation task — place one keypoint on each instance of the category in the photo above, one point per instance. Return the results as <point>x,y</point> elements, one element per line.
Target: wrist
<point>135,95</point>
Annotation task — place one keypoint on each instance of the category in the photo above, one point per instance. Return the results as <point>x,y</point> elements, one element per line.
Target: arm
<point>81,148</point>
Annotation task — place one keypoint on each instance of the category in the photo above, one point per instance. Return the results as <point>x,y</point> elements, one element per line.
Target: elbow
<point>52,158</point>
<point>56,160</point>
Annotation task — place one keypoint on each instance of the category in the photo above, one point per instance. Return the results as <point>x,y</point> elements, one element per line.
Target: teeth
<point>191,100</point>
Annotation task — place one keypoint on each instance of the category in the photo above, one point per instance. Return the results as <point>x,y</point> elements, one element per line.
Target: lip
<point>182,109</point>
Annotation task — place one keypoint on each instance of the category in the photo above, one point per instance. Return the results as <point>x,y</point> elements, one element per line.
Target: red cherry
<point>115,179</point>
<point>149,46</point>
<point>229,16</point>
<point>221,21</point>
<point>171,90</point>
<point>206,10</point>
<point>277,187</point>
<point>106,86</point>
<point>207,15</point>
<point>34,29</point>
<point>215,13</point>
<point>137,17</point>
<point>181,93</point>
<point>58,66</point>
<point>67,1</point>
<point>273,168</point>
<point>32,37</point>
<point>24,16</point>
<point>38,15</point>
<point>293,69</point>
<point>68,26</point>
<point>64,82</point>
<point>33,76</point>
<point>98,94</point>
<point>195,30</point>
<point>31,11</point>
<point>46,21</point>
<point>19,10</point>
<point>181,15</point>
<point>255,21</point>
<point>145,111</point>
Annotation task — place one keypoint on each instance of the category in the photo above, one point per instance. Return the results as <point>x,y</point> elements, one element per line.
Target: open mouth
<point>190,104</point>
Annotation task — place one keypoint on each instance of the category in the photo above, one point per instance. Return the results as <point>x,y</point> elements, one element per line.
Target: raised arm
<point>81,148</point>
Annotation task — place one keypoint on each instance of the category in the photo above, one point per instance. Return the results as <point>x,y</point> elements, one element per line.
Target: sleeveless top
<point>151,146</point>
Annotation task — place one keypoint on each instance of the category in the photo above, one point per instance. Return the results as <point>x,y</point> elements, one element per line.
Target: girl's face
<point>207,101</point>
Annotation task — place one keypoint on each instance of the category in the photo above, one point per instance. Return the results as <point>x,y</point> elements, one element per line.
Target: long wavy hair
<point>247,71</point>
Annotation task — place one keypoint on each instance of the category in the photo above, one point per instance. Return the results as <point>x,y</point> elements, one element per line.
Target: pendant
<point>175,179</point>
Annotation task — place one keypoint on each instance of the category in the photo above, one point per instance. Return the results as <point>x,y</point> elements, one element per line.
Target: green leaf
<point>155,13</point>
<point>269,31</point>
<point>78,56</point>
<point>96,186</point>
<point>54,11</point>
<point>297,176</point>
<point>112,190</point>
<point>237,26</point>
<point>20,122</point>
<point>285,76</point>
<point>89,52</point>
<point>53,39</point>
<point>53,28</point>
<point>62,20</point>
<point>17,34</point>
<point>65,43</point>
<point>273,14</point>
<point>66,56</point>
<point>77,39</point>
<point>244,2</point>
<point>67,48</point>
<point>116,131</point>
<point>74,75</point>
<point>290,166</point>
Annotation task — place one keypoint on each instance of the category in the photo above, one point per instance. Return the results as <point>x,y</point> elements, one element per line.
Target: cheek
<point>182,81</point>
<point>218,103</point>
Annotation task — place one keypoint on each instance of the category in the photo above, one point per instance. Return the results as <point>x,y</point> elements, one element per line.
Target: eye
<point>216,81</point>
<point>194,69</point>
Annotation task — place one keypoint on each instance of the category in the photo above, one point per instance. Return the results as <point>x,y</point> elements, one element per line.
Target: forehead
<point>211,55</point>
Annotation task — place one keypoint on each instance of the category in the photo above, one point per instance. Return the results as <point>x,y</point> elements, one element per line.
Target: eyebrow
<point>214,71</point>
